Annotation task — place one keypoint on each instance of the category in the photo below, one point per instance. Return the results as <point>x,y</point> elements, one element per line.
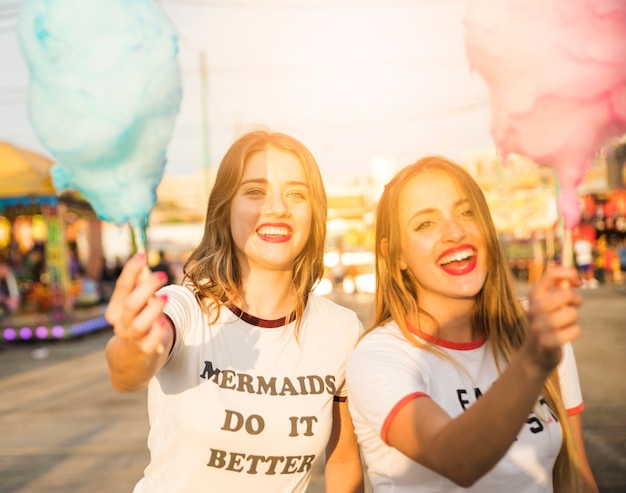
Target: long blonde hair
<point>212,267</point>
<point>498,314</point>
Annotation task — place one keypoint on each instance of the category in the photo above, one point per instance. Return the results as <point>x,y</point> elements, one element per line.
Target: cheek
<point>480,242</point>
<point>305,220</point>
<point>238,236</point>
<point>416,257</point>
<point>245,211</point>
<point>242,223</point>
<point>418,248</point>
<point>234,223</point>
<point>483,255</point>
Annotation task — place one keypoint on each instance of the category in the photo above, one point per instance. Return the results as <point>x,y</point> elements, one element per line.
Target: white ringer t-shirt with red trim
<point>386,371</point>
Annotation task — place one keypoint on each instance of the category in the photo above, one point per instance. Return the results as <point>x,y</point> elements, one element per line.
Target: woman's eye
<point>255,192</point>
<point>297,195</point>
<point>467,213</point>
<point>423,225</point>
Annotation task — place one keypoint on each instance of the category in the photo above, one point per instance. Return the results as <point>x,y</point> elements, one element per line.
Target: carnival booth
<point>52,246</point>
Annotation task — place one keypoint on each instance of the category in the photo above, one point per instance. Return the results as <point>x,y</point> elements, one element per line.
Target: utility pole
<point>204,100</point>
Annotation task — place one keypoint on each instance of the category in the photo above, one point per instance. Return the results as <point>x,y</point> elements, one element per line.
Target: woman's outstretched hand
<point>134,311</point>
<point>553,314</point>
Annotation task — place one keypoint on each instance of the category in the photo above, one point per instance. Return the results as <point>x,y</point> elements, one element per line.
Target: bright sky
<point>355,80</point>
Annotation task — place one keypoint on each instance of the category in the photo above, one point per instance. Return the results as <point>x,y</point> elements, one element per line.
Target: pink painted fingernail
<point>161,276</point>
<point>163,297</point>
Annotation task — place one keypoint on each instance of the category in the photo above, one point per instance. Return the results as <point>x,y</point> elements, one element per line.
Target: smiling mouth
<point>460,256</point>
<point>273,231</point>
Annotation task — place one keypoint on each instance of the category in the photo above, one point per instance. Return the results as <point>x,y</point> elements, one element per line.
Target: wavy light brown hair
<point>212,267</point>
<point>498,314</point>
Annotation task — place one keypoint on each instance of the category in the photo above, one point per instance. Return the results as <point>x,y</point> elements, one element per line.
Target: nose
<point>453,230</point>
<point>275,204</point>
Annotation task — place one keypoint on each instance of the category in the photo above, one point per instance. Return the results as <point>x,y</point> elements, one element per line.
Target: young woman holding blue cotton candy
<point>455,387</point>
<point>244,364</point>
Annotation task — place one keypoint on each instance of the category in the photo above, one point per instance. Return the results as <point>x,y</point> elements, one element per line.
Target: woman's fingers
<point>124,285</point>
<point>553,313</point>
<point>562,303</point>
<point>554,276</point>
<point>141,323</point>
<point>569,334</point>
<point>134,310</point>
<point>556,327</point>
<point>143,295</point>
<point>152,342</point>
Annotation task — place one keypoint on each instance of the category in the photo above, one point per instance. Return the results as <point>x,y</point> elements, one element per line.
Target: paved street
<point>65,430</point>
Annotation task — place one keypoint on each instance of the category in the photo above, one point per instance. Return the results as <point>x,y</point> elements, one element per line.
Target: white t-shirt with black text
<point>386,371</point>
<point>239,407</point>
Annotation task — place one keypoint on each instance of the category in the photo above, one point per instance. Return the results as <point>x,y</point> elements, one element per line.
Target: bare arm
<point>344,473</point>
<point>142,335</point>
<point>463,449</point>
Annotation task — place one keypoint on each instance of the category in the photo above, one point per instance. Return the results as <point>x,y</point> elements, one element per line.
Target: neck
<point>268,295</point>
<point>452,320</point>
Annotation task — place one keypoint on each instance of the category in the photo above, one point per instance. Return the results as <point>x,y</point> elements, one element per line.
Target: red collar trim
<point>459,346</point>
<point>261,322</point>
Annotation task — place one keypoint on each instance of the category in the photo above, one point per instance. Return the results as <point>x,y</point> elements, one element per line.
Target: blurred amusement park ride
<point>52,247</point>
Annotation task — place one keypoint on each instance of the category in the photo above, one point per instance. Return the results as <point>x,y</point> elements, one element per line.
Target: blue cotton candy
<point>104,93</point>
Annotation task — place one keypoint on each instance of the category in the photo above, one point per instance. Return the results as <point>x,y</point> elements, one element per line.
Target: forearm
<point>476,440</point>
<point>344,477</point>
<point>480,436</point>
<point>130,369</point>
<point>143,336</point>
<point>343,472</point>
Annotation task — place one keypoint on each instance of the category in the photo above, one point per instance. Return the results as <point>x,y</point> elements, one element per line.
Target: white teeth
<point>457,257</point>
<point>273,231</point>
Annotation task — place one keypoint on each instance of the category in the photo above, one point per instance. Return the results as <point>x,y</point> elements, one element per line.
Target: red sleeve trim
<point>173,331</point>
<point>394,411</point>
<point>575,410</point>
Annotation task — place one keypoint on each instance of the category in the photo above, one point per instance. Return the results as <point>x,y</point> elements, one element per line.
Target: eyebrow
<point>430,210</point>
<point>264,181</point>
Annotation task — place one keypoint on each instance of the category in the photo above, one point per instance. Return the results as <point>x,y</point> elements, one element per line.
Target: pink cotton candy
<point>556,71</point>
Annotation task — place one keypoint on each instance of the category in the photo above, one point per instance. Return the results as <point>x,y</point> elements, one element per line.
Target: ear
<point>384,249</point>
<point>384,246</point>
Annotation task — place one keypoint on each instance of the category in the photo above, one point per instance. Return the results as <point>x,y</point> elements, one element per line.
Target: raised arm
<point>463,449</point>
<point>142,335</point>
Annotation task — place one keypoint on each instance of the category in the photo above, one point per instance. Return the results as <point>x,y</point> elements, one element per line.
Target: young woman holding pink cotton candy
<point>455,387</point>
<point>244,364</point>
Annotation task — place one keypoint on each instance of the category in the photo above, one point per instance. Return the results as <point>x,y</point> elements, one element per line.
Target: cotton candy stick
<point>567,253</point>
<point>566,261</point>
<point>140,240</point>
